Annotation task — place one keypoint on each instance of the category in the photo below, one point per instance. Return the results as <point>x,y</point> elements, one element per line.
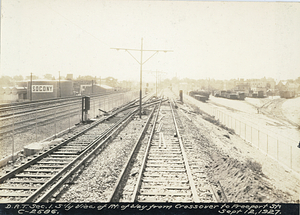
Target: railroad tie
<point>10,194</point>
<point>33,176</point>
<point>159,143</point>
<point>163,139</point>
<point>20,187</point>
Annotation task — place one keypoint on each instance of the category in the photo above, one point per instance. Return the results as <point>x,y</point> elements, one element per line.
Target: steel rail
<point>215,195</point>
<point>45,102</point>
<point>139,180</point>
<point>31,122</point>
<point>90,153</point>
<point>147,104</point>
<point>36,159</point>
<point>9,106</point>
<point>188,170</point>
<point>114,197</point>
<point>27,112</point>
<point>222,191</point>
<point>70,169</point>
<point>83,152</point>
<point>41,117</point>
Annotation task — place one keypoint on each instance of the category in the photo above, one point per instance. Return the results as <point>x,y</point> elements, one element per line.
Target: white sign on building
<point>42,88</point>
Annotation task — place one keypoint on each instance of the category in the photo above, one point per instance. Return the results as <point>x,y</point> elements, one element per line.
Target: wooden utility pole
<point>141,66</point>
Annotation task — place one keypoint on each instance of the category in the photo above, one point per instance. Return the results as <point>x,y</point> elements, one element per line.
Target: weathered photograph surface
<point>150,101</point>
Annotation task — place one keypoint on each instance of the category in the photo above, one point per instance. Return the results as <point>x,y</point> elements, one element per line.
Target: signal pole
<point>141,66</point>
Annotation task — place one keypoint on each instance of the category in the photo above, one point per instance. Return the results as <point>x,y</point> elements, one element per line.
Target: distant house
<point>281,85</point>
<point>258,85</point>
<point>242,86</point>
<point>288,89</point>
<point>292,87</point>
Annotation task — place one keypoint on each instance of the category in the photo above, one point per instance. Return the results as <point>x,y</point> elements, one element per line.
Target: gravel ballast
<point>96,181</point>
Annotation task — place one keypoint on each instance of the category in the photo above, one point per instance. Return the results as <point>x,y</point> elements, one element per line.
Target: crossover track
<point>165,174</point>
<point>38,179</point>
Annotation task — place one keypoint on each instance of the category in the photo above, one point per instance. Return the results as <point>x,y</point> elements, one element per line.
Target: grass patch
<point>211,119</point>
<point>196,109</point>
<point>216,122</point>
<point>254,166</point>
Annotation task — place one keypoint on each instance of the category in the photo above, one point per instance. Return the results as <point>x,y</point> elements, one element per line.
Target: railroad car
<point>241,95</point>
<point>256,94</point>
<point>260,94</point>
<point>200,95</point>
<point>230,94</point>
<point>217,93</point>
<point>200,98</point>
<point>223,94</point>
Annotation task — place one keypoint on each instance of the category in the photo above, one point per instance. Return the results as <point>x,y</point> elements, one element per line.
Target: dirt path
<point>274,109</point>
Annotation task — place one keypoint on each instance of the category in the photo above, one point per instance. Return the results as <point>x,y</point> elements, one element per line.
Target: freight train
<point>201,95</point>
<point>256,94</point>
<point>230,94</point>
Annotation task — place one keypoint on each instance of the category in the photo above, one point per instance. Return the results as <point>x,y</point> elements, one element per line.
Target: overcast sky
<point>220,40</point>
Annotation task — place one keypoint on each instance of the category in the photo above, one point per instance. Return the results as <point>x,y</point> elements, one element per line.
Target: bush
<point>217,123</point>
<point>254,166</point>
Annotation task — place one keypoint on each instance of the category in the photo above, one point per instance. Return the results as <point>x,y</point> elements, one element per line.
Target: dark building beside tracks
<point>47,89</point>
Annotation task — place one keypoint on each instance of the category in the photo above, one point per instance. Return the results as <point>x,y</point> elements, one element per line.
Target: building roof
<point>21,88</point>
<point>46,80</point>
<point>292,85</point>
<point>104,86</point>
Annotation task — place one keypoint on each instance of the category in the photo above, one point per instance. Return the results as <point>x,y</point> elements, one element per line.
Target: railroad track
<point>36,108</point>
<point>7,110</point>
<point>165,174</point>
<point>206,189</point>
<point>38,179</point>
<point>18,127</point>
<point>28,116</point>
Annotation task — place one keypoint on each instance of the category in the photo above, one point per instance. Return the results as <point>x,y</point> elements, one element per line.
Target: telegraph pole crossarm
<point>128,51</point>
<point>141,65</point>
